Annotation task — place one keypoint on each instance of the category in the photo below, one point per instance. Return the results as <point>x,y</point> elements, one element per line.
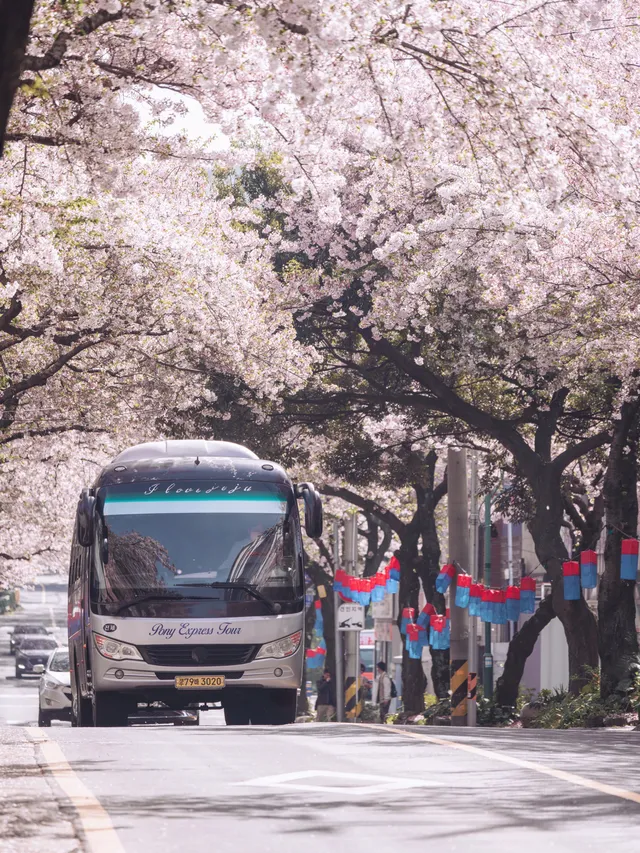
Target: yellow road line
<point>98,829</point>
<point>572,778</point>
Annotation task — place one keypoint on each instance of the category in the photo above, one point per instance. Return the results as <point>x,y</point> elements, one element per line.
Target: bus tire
<point>274,708</point>
<point>81,711</point>
<point>237,707</point>
<point>110,709</point>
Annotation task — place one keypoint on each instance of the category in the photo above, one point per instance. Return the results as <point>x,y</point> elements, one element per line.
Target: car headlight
<point>20,666</point>
<point>114,650</point>
<point>50,684</point>
<point>283,648</point>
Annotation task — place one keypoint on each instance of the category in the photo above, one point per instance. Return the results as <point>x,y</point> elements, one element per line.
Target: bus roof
<point>184,450</point>
<point>189,460</point>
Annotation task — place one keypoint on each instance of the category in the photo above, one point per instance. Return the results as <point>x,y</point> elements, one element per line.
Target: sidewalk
<point>32,818</point>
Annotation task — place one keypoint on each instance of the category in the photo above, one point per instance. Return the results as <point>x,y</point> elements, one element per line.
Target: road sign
<point>350,617</point>
<point>383,609</point>
<point>384,630</point>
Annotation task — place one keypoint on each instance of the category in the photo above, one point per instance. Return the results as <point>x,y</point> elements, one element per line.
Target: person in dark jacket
<point>326,702</point>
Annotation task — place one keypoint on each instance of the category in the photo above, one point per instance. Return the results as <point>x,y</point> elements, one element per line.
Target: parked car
<point>31,651</point>
<point>20,630</point>
<point>55,688</point>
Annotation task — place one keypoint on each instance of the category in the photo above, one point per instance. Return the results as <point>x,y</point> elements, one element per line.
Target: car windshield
<point>38,643</point>
<point>60,661</point>
<point>29,629</point>
<point>179,539</point>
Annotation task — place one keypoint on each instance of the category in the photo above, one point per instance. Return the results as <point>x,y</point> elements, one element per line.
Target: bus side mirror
<point>312,509</point>
<point>84,518</point>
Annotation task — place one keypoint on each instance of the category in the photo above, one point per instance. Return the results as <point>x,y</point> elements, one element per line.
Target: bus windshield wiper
<point>273,606</point>
<point>154,596</point>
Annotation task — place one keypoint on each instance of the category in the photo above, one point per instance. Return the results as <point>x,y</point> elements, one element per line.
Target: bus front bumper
<point>157,683</point>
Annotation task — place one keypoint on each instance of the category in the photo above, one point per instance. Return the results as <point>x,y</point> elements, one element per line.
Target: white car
<point>55,688</point>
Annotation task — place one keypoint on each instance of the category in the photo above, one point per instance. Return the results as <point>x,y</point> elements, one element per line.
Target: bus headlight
<point>283,648</point>
<point>114,650</point>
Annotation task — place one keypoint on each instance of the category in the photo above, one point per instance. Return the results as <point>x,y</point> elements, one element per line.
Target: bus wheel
<point>237,708</point>
<point>274,708</point>
<point>81,711</point>
<point>110,709</point>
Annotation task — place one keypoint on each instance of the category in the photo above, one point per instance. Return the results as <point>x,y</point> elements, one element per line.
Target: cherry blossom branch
<point>54,55</point>
<point>386,516</point>
<point>26,557</point>
<point>46,431</point>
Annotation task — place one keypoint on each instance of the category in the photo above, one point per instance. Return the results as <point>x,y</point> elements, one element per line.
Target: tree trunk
<point>413,678</point>
<point>618,639</point>
<point>520,648</point>
<point>428,568</point>
<point>15,16</point>
<point>577,619</point>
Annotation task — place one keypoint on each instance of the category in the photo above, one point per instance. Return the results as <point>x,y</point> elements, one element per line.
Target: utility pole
<point>339,673</point>
<point>472,652</point>
<point>352,639</point>
<point>488,656</point>
<point>458,553</point>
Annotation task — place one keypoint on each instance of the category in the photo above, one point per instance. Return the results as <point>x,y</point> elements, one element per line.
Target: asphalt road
<point>315,788</point>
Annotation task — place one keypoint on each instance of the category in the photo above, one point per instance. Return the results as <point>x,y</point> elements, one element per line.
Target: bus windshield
<point>197,540</point>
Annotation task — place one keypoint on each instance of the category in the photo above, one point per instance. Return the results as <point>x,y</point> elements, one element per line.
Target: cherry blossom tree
<point>457,223</point>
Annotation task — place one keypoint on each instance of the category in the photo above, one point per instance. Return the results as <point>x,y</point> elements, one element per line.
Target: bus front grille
<point>210,655</point>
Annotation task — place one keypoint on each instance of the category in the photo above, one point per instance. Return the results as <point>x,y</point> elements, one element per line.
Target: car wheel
<point>44,719</point>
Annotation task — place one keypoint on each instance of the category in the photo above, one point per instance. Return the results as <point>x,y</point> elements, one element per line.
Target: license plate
<point>191,682</point>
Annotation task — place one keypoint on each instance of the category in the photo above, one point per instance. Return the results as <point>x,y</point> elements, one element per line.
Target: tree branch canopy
<point>366,505</point>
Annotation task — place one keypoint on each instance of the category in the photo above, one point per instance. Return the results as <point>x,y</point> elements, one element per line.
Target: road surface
<point>310,787</point>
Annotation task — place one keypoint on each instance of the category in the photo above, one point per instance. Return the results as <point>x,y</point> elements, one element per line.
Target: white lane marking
<point>43,597</point>
<point>544,769</point>
<point>53,618</point>
<point>377,784</point>
<point>98,829</point>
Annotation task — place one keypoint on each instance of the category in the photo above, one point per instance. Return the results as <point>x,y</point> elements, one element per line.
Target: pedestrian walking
<point>326,701</point>
<point>384,690</point>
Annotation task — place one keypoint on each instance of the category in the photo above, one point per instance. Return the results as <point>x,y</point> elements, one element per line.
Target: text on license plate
<point>213,682</point>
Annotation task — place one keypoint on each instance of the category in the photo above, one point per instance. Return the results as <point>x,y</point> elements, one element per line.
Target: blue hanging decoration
<point>423,619</point>
<point>513,603</point>
<point>629,560</point>
<point>475,599</point>
<point>414,644</point>
<point>571,580</point>
<point>463,590</point>
<point>527,595</point>
<point>588,569</point>
<point>444,578</point>
<point>408,614</point>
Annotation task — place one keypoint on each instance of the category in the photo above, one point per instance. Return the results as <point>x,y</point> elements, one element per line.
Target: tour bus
<point>186,585</point>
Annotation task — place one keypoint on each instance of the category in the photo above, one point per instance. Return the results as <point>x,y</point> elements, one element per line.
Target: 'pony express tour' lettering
<point>187,630</point>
